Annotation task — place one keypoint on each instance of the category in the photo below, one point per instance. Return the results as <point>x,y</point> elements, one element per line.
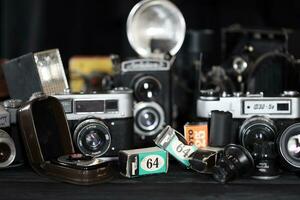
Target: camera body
<point>11,151</point>
<point>150,80</point>
<point>102,123</point>
<point>258,120</point>
<point>257,60</point>
<point>243,106</point>
<point>253,113</point>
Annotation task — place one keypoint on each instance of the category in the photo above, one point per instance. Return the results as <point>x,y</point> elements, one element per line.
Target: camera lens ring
<point>82,132</point>
<point>153,107</point>
<point>8,145</point>
<point>239,64</point>
<point>283,145</point>
<point>251,124</point>
<point>148,84</point>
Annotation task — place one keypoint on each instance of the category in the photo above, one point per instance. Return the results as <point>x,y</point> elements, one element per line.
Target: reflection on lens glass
<point>257,130</point>
<point>294,146</point>
<point>148,119</point>
<point>257,135</point>
<point>5,152</point>
<point>92,139</point>
<point>147,88</point>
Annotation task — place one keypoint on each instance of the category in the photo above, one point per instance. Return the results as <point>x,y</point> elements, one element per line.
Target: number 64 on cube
<point>140,162</point>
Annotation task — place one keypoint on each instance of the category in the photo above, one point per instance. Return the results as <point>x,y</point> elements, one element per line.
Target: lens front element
<point>149,118</point>
<point>92,137</point>
<point>257,130</point>
<point>147,88</point>
<point>289,146</point>
<point>293,146</point>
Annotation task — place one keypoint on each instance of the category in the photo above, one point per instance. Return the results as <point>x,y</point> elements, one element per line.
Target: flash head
<point>155,25</point>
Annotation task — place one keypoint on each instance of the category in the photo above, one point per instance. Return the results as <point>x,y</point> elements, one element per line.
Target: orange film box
<point>196,133</point>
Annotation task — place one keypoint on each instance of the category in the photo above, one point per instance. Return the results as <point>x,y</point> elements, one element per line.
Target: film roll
<point>220,133</point>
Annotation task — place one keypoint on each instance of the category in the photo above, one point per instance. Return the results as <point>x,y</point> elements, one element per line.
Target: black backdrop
<point>98,27</point>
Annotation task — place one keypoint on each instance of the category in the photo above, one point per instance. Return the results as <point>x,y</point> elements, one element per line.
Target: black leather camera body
<point>257,60</point>
<point>11,149</point>
<point>101,124</point>
<point>150,80</point>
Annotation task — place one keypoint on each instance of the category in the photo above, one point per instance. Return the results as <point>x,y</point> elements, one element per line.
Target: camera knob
<point>209,95</point>
<point>261,94</point>
<point>290,94</point>
<point>238,94</point>
<point>226,94</point>
<point>120,89</point>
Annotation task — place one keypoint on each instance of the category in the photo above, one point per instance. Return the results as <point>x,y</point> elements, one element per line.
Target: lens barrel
<point>288,144</point>
<point>256,130</point>
<point>92,137</point>
<point>149,118</point>
<point>7,149</point>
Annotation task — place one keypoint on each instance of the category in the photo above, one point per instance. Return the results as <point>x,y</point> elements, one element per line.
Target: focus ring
<point>80,130</point>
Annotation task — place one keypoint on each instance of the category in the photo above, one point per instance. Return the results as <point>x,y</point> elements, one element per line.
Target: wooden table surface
<point>179,183</point>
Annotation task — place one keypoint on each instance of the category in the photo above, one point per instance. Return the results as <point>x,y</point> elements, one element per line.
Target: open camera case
<point>46,137</point>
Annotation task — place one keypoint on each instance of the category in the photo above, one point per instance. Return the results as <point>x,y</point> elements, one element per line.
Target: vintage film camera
<point>101,124</point>
<point>11,151</point>
<point>49,148</point>
<point>258,119</point>
<point>155,30</point>
<point>151,82</point>
<point>254,60</point>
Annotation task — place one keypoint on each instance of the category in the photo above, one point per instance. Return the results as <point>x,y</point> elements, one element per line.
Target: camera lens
<point>4,152</point>
<point>239,64</point>
<point>257,130</point>
<point>92,137</point>
<point>7,149</point>
<point>149,118</point>
<point>147,88</point>
<point>293,146</point>
<point>289,146</point>
<point>92,140</point>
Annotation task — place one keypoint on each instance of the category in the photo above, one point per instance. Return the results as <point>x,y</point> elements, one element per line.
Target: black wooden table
<point>179,183</point>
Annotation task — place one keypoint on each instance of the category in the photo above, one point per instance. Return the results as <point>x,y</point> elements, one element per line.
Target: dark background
<point>99,27</point>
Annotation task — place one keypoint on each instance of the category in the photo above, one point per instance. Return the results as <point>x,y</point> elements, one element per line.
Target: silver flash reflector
<point>155,26</point>
<point>51,71</point>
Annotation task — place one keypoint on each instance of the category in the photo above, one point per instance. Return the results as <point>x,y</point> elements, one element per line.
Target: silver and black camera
<point>156,31</point>
<point>102,123</point>
<point>259,120</point>
<point>150,80</point>
<point>10,144</point>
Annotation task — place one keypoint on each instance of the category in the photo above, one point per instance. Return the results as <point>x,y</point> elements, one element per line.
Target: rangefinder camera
<point>101,124</point>
<point>258,119</point>
<point>11,154</point>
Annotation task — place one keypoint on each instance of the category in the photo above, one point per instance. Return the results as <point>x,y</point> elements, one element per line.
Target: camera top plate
<point>244,106</point>
<point>111,104</point>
